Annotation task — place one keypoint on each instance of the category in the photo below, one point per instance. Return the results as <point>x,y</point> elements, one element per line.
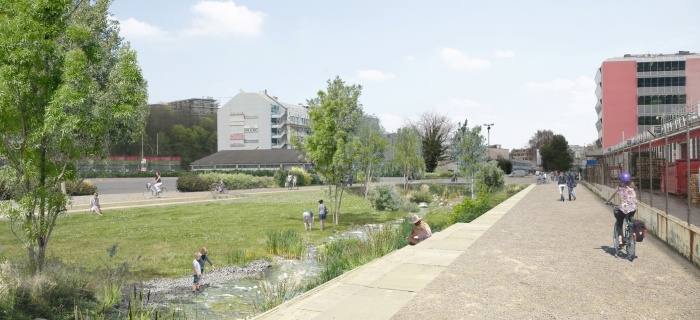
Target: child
<point>197,272</point>
<point>202,259</point>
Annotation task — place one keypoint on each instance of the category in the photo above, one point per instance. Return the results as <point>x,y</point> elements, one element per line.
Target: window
<point>660,82</point>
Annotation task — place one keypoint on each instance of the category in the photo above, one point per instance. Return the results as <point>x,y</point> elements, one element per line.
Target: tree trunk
<point>368,179</point>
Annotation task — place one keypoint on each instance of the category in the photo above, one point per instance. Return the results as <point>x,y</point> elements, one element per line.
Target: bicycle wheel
<point>631,243</point>
<point>214,191</point>
<point>148,194</point>
<point>616,243</point>
<point>163,192</point>
<point>224,190</point>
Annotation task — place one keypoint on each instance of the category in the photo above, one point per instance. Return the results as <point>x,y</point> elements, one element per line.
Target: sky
<point>522,66</point>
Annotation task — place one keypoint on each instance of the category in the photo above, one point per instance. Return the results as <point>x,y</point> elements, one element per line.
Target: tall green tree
<point>504,164</point>
<point>408,153</point>
<point>369,144</point>
<point>435,130</point>
<point>470,151</point>
<point>69,88</point>
<point>556,155</point>
<point>334,114</point>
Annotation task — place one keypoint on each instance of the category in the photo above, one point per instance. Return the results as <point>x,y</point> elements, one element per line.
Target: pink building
<point>636,92</point>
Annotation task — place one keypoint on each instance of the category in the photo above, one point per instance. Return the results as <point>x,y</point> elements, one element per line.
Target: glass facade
<point>660,66</point>
<point>661,82</point>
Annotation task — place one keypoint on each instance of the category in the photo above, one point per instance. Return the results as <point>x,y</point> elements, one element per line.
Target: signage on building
<point>236,136</point>
<point>237,145</point>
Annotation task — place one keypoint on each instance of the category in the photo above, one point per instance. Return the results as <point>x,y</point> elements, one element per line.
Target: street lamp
<point>488,133</point>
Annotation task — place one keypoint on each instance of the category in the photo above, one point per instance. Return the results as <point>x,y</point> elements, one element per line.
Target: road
<point>129,185</point>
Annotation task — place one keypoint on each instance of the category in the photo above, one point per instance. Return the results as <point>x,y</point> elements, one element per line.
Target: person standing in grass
<point>197,272</point>
<point>322,212</point>
<point>308,217</point>
<point>95,205</point>
<point>204,258</point>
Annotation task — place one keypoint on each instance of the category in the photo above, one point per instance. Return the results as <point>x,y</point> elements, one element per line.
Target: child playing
<point>197,272</point>
<point>202,259</point>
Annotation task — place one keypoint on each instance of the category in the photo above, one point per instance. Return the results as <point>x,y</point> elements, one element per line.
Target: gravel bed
<point>162,290</point>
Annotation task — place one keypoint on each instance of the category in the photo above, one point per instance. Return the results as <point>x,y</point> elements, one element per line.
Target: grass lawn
<point>160,241</point>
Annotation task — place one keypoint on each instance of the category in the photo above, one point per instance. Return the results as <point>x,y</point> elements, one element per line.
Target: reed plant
<point>287,243</point>
<point>271,295</point>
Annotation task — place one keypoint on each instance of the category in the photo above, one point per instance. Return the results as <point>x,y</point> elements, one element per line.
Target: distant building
<point>247,160</point>
<point>251,121</point>
<point>200,107</point>
<point>495,151</point>
<point>637,93</point>
<point>524,155</point>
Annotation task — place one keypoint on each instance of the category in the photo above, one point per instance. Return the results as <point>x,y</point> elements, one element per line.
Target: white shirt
<point>197,267</point>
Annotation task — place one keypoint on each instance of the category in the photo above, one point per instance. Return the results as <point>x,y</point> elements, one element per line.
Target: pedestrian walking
<point>571,184</point>
<point>294,182</point>
<point>288,184</point>
<point>562,184</point>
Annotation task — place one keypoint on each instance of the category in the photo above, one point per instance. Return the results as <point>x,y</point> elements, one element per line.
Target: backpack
<point>640,230</point>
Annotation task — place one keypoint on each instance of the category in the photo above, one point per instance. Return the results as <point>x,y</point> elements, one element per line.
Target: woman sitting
<point>421,231</point>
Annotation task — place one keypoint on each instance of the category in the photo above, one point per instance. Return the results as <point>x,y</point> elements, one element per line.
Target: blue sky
<point>521,65</point>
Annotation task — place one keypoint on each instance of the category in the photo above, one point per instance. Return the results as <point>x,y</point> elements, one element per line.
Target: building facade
<point>251,121</point>
<point>639,93</point>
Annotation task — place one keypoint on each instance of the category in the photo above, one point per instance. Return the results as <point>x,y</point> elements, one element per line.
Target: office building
<point>639,92</point>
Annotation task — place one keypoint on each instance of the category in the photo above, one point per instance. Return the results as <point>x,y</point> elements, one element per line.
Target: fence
<point>133,163</point>
<point>663,162</point>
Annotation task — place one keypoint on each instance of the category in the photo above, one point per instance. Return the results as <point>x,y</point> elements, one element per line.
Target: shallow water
<point>234,300</point>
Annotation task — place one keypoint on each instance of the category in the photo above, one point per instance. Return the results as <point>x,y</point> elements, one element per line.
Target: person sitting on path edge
<point>421,231</point>
<point>95,205</point>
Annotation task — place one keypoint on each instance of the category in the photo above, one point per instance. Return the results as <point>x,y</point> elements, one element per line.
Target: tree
<point>470,151</point>
<point>540,139</point>
<point>490,177</point>
<point>434,130</point>
<point>407,152</point>
<point>369,145</point>
<point>68,89</point>
<point>556,155</point>
<point>334,115</point>
<point>504,164</point>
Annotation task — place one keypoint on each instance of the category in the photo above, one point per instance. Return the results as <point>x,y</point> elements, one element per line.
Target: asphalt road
<point>129,185</point>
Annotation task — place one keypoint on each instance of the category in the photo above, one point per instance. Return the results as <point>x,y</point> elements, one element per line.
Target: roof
<point>273,156</point>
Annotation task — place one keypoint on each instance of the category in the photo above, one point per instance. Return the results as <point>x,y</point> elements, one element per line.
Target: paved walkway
<point>532,257</point>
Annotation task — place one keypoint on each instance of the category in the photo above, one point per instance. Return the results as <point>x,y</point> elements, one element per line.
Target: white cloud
<point>457,60</point>
<point>134,29</point>
<point>505,54</point>
<point>410,57</point>
<point>463,103</point>
<point>551,86</point>
<point>374,75</point>
<point>222,18</point>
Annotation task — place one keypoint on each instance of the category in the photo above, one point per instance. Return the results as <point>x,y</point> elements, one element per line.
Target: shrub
<point>422,195</point>
<point>385,198</point>
<point>80,188</point>
<point>237,181</point>
<point>192,183</point>
<point>287,243</point>
<point>490,177</point>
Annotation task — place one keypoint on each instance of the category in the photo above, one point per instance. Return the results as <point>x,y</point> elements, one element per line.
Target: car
<point>518,173</point>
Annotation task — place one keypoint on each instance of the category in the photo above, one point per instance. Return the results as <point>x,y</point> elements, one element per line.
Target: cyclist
<point>157,182</point>
<point>628,203</point>
<point>220,186</point>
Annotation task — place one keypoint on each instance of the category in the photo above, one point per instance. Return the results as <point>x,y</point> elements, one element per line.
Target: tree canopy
<point>334,114</point>
<point>69,88</point>
<point>435,130</point>
<point>369,145</point>
<point>556,155</point>
<point>407,152</point>
<point>470,151</point>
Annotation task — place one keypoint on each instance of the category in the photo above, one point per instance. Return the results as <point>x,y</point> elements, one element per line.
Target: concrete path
<point>532,257</point>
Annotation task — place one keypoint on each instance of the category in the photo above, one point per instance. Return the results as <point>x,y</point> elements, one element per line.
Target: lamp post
<point>488,134</point>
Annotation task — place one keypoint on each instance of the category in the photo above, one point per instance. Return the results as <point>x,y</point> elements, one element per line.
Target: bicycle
<point>151,191</point>
<point>219,188</point>
<point>629,242</point>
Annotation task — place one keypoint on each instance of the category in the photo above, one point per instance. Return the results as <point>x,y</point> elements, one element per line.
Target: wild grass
<point>287,243</point>
<point>271,295</point>
<point>163,239</point>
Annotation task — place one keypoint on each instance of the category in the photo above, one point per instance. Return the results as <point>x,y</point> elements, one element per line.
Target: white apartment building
<point>251,121</point>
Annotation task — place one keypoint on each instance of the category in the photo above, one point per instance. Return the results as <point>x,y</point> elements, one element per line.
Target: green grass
<point>160,241</point>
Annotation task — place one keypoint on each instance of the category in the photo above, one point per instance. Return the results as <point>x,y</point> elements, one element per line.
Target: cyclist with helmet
<point>628,202</point>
